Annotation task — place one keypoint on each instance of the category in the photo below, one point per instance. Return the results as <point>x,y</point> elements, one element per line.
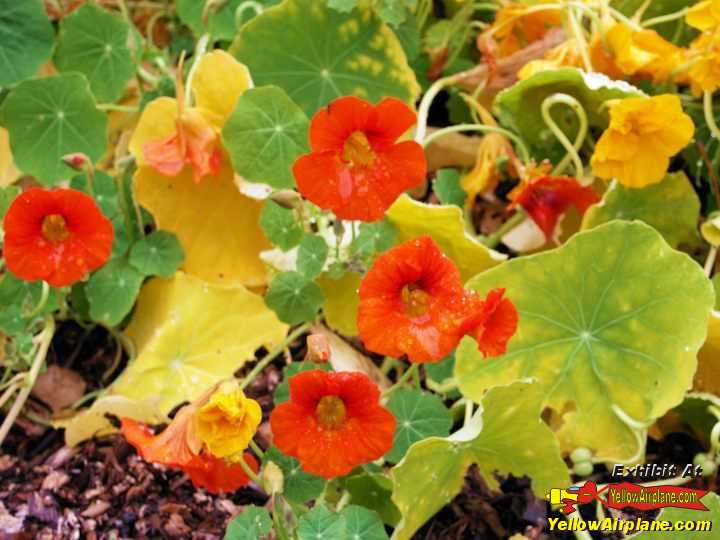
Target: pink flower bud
<point>77,161</point>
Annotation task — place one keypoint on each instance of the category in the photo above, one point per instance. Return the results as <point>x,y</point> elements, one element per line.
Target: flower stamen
<point>330,412</point>
<point>54,228</point>
<point>357,150</point>
<point>415,300</point>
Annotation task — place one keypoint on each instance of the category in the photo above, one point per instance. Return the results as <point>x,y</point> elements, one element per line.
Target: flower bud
<point>318,348</point>
<point>77,161</point>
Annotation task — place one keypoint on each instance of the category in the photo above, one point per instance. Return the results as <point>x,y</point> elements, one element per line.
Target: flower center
<point>330,412</point>
<point>357,150</point>
<point>415,300</point>
<point>54,228</point>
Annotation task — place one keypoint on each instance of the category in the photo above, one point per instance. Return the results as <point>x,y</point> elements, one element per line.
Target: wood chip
<point>96,509</point>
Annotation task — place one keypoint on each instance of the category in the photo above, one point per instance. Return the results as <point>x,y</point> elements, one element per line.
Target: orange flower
<point>333,422</point>
<point>55,235</point>
<point>515,27</point>
<point>411,301</point>
<point>704,74</point>
<point>492,323</point>
<point>546,198</point>
<point>356,167</point>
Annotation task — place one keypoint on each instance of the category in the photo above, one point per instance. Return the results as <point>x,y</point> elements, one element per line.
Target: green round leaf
<point>374,238</point>
<point>373,491</point>
<point>50,117</point>
<point>317,54</point>
<point>361,523</point>
<point>312,254</point>
<point>611,321</point>
<point>294,297</point>
<point>253,523</point>
<point>159,254</point>
<point>321,523</point>
<point>26,39</point>
<point>280,226</point>
<point>519,107</point>
<point>671,206</point>
<point>507,437</point>
<point>95,43</point>
<point>448,189</point>
<point>419,415</point>
<point>112,290</point>
<point>299,486</point>
<point>264,135</point>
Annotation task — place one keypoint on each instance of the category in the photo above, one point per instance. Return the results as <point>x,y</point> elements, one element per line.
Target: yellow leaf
<point>445,224</point>
<point>189,335</point>
<point>157,121</point>
<point>92,422</point>
<point>8,172</point>
<point>707,376</point>
<point>218,82</point>
<point>216,224</point>
<point>341,302</point>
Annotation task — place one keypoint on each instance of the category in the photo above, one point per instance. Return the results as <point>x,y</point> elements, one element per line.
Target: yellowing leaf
<point>446,226</point>
<point>707,376</point>
<point>341,302</point>
<point>92,422</point>
<point>156,122</point>
<point>215,223</point>
<point>8,172</point>
<point>189,335</point>
<point>218,82</point>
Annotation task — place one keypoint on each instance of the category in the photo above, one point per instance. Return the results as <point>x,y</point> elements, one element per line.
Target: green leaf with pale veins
<point>253,523</point>
<point>299,486</point>
<point>294,298</point>
<point>50,117</point>
<point>312,254</point>
<point>362,524</point>
<point>321,524</point>
<point>158,254</point>
<point>374,238</point>
<point>708,519</point>
<point>265,134</point>
<point>280,226</point>
<point>26,39</point>
<point>671,206</point>
<point>610,323</point>
<point>506,437</point>
<point>448,189</point>
<point>112,290</point>
<point>317,54</point>
<point>373,491</point>
<point>419,415</point>
<point>96,43</point>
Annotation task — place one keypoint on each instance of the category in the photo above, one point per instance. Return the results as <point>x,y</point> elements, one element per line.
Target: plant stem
<point>664,18</point>
<point>277,351</point>
<point>258,451</point>
<point>709,116</point>
<point>115,107</point>
<point>515,220</point>
<point>199,52</point>
<point>710,261</point>
<point>424,108</point>
<point>243,7</point>
<point>409,372</point>
<point>572,149</point>
<point>525,155</point>
<point>45,340</point>
<point>43,300</point>
<point>250,473</point>
<point>344,499</point>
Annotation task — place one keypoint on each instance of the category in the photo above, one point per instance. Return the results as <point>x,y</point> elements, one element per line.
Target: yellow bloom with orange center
<point>644,133</point>
<point>516,25</point>
<point>704,74</point>
<point>704,15</point>
<point>228,421</point>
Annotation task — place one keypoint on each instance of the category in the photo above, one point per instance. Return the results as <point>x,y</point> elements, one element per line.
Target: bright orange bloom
<point>516,26</point>
<point>55,235</point>
<point>546,198</point>
<point>493,323</point>
<point>356,168</point>
<point>704,75</point>
<point>411,303</point>
<point>173,448</point>
<point>333,422</point>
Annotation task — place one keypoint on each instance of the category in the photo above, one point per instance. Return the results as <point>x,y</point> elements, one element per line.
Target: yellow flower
<point>563,55</point>
<point>704,15</point>
<point>516,26</point>
<point>645,53</point>
<point>704,74</point>
<point>643,134</point>
<point>228,421</point>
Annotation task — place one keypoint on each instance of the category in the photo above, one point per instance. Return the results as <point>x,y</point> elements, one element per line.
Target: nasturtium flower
<point>566,54</point>
<point>516,26</point>
<point>227,422</point>
<point>704,15</point>
<point>355,167</point>
<point>412,303</point>
<point>55,235</point>
<point>546,198</point>
<point>492,323</point>
<point>644,133</point>
<point>333,422</point>
<point>704,73</point>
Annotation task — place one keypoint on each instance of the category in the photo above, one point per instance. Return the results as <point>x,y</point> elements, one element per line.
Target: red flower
<point>546,198</point>
<point>172,449</point>
<point>412,303</point>
<point>492,323</point>
<point>55,235</point>
<point>333,422</point>
<point>356,169</point>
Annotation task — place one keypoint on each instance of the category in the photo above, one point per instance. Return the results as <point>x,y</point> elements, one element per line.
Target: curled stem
<point>639,430</point>
<point>525,155</point>
<point>424,108</point>
<point>243,7</point>
<point>200,49</point>
<point>579,38</point>
<point>709,117</point>
<point>572,149</point>
<point>45,340</point>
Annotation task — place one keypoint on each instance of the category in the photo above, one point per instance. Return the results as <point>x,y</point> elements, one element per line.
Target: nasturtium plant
<point>672,207</point>
<point>294,297</point>
<point>374,238</point>
<point>298,486</point>
<point>50,117</point>
<point>280,226</point>
<point>253,524</point>
<point>112,290</point>
<point>282,392</point>
<point>223,18</point>
<point>26,39</point>
<point>448,189</point>
<point>311,256</point>
<point>264,135</point>
<point>99,45</point>
<point>610,325</point>
<point>316,54</point>
<point>341,301</point>
<point>507,436</point>
<point>373,491</point>
<point>158,254</point>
